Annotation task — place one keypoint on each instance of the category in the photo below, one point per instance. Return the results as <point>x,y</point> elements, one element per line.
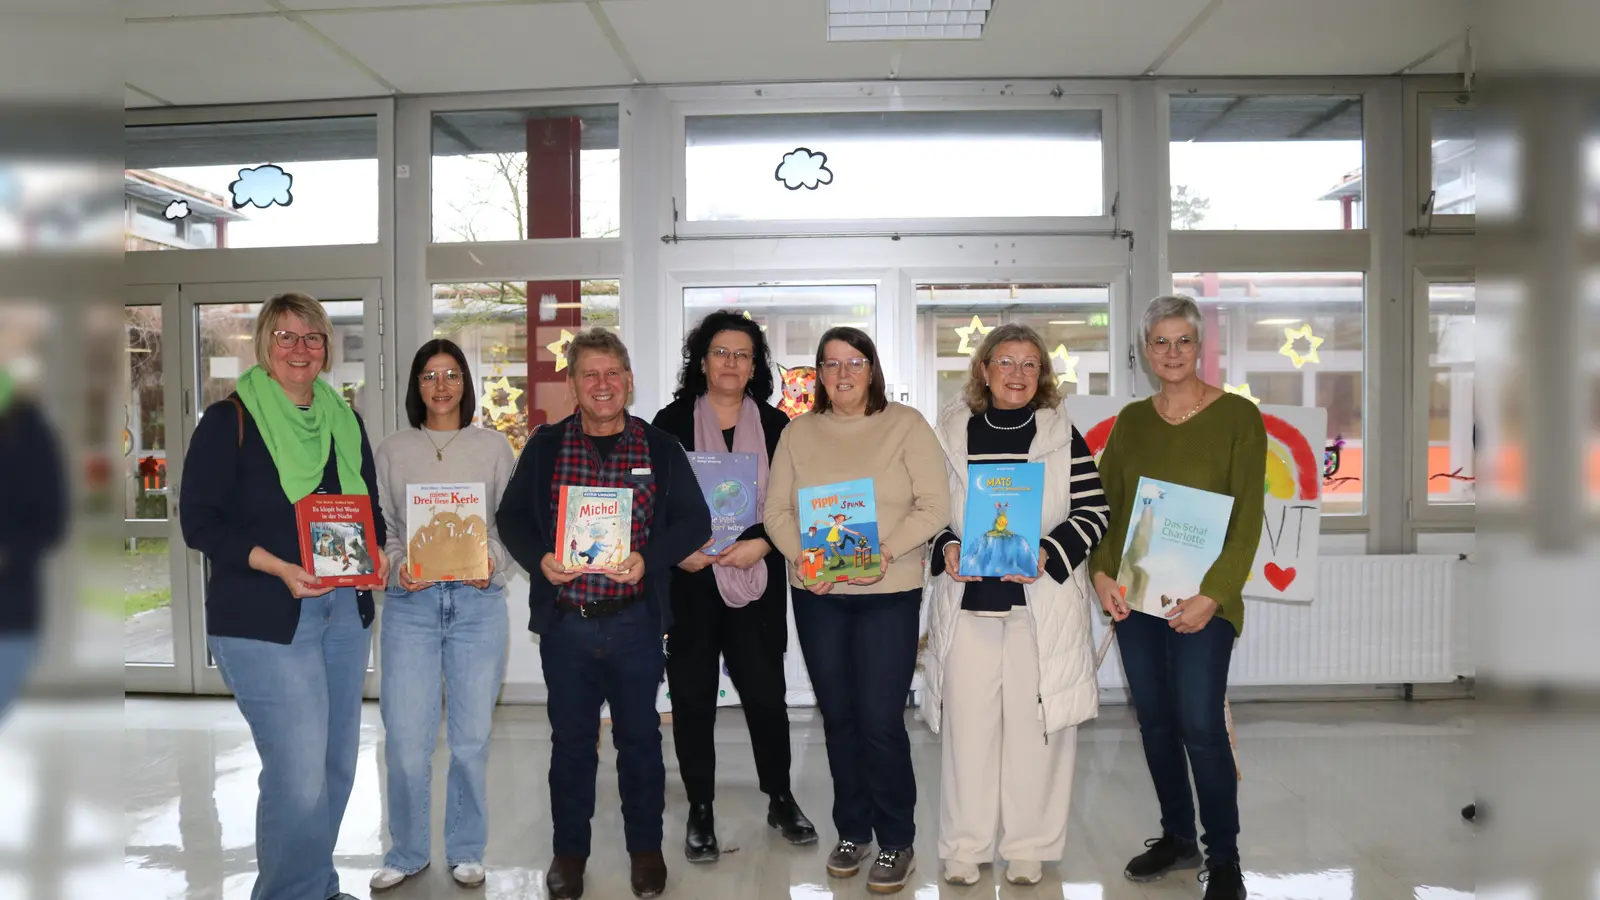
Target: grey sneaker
<point>891,871</point>
<point>845,860</point>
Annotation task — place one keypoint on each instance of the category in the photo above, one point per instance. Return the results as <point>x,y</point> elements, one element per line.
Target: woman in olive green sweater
<point>1195,434</point>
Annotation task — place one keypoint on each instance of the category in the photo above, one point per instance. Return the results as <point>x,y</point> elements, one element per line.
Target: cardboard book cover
<point>447,532</point>
<point>338,542</point>
<point>594,527</point>
<point>1174,536</point>
<point>1001,525</point>
<point>839,532</point>
<point>728,482</point>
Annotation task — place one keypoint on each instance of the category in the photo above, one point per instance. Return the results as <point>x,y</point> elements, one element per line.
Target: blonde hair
<point>308,308</point>
<point>976,393</point>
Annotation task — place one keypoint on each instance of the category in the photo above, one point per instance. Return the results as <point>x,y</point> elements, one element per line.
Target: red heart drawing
<point>1278,578</point>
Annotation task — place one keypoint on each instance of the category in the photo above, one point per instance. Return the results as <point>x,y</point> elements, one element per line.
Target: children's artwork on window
<point>1067,371</point>
<point>262,186</point>
<point>967,332</point>
<point>177,209</point>
<point>558,348</point>
<point>1291,345</point>
<point>799,390</point>
<point>1242,390</point>
<point>802,168</point>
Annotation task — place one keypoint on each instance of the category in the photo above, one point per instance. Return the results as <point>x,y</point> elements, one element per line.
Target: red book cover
<point>338,542</point>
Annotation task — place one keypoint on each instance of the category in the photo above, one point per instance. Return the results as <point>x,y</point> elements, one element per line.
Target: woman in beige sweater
<point>860,636</point>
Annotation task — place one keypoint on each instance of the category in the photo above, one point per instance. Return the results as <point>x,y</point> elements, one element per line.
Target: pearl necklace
<point>1007,427</point>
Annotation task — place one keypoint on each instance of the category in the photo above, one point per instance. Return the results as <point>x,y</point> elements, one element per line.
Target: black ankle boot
<point>700,837</point>
<point>785,815</point>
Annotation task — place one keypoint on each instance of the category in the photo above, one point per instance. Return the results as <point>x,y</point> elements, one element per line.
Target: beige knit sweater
<point>897,449</point>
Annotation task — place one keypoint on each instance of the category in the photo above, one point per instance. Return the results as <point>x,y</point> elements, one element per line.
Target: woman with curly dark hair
<point>733,604</point>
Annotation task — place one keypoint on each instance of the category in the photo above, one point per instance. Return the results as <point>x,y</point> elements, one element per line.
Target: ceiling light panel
<point>907,20</point>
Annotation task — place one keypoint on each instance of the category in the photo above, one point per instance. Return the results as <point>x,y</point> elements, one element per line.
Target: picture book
<point>447,533</point>
<point>338,542</point>
<point>1000,528</point>
<point>839,532</point>
<point>728,482</point>
<point>1175,535</point>
<point>594,527</point>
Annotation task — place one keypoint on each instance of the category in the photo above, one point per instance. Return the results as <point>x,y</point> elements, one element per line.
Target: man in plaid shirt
<point>601,634</point>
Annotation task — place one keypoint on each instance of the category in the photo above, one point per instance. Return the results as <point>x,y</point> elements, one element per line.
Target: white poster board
<point>1291,530</point>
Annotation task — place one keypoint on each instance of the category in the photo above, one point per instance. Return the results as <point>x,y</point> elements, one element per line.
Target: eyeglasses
<point>723,354</point>
<point>1163,346</point>
<point>1029,367</point>
<point>316,340</point>
<point>451,376</point>
<point>854,364</point>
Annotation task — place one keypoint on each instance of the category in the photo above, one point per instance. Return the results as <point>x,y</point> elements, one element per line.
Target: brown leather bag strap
<point>234,399</point>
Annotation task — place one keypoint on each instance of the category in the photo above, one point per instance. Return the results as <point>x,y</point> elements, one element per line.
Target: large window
<point>1452,359</point>
<point>1266,162</point>
<point>281,183</point>
<point>794,316</point>
<point>1296,339</point>
<point>514,335</point>
<point>897,165</point>
<point>514,174</point>
<point>1074,321</point>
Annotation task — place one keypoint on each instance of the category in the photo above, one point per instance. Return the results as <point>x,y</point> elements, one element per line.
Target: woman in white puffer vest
<point>1009,670</point>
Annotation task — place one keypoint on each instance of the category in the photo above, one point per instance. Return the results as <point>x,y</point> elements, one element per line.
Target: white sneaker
<point>468,874</point>
<point>956,872</point>
<point>386,878</point>
<point>1024,871</point>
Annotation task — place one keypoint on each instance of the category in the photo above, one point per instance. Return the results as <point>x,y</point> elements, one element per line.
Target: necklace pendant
<point>438,455</point>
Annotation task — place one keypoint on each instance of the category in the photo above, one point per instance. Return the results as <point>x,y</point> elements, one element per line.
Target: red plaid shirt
<point>579,464</point>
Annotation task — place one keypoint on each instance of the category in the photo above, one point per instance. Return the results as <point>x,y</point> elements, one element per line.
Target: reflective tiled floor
<point>1339,801</point>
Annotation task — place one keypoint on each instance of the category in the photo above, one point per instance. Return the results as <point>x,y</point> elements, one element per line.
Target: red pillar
<point>553,212</point>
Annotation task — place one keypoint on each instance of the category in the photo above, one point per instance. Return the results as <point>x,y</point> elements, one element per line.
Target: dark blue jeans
<point>617,660</point>
<point>861,650</point>
<point>1178,683</point>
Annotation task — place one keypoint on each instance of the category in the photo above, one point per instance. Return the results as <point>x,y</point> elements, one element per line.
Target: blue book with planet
<point>1000,528</point>
<point>728,482</point>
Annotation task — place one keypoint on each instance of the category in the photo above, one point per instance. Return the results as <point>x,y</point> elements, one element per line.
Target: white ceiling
<point>188,52</point>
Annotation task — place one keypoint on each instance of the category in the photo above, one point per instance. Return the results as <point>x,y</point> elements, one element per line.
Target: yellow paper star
<point>491,390</point>
<point>1242,390</point>
<point>1292,335</point>
<point>559,348</point>
<point>753,318</point>
<point>976,326</point>
<point>1068,370</point>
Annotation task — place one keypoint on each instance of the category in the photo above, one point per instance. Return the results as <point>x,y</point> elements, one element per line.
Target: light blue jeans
<point>16,661</point>
<point>303,703</point>
<point>445,639</point>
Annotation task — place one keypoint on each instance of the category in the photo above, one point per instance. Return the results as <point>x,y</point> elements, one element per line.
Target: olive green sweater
<point>1222,449</point>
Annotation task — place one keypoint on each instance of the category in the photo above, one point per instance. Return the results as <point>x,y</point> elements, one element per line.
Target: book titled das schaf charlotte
<point>447,535</point>
<point>1174,535</point>
<point>337,539</point>
<point>839,532</point>
<point>1000,528</point>
<point>728,482</point>
<point>594,527</point>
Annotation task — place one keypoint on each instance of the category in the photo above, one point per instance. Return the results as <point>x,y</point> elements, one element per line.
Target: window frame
<point>1422,105</point>
<point>1423,516</point>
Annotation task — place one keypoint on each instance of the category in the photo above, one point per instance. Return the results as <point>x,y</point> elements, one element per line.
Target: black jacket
<point>695,598</point>
<point>36,519</point>
<point>526,517</point>
<point>231,502</point>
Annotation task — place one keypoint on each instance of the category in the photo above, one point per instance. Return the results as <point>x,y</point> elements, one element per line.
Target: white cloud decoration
<point>177,209</point>
<point>802,168</point>
<point>262,186</point>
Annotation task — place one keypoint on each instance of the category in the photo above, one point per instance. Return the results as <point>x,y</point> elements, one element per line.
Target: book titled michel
<point>728,482</point>
<point>594,527</point>
<point>1175,535</point>
<point>838,532</point>
<point>447,537</point>
<point>1000,529</point>
<point>338,540</point>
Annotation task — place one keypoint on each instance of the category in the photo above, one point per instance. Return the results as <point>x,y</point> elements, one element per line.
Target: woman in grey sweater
<point>438,634</point>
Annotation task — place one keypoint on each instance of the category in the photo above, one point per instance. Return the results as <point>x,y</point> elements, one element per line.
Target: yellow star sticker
<point>1242,390</point>
<point>559,348</point>
<point>1292,335</point>
<point>753,318</point>
<point>491,390</point>
<point>1068,373</point>
<point>976,326</point>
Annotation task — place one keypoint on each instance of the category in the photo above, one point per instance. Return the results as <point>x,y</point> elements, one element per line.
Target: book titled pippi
<point>594,528</point>
<point>838,532</point>
<point>338,540</point>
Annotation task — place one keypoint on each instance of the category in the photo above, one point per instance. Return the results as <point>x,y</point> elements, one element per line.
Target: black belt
<point>600,609</point>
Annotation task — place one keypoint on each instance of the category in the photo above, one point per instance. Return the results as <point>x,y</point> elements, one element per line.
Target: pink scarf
<point>737,586</point>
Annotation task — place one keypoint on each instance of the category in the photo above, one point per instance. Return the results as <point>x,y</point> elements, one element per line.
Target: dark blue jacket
<point>526,517</point>
<point>231,502</point>
<point>36,512</point>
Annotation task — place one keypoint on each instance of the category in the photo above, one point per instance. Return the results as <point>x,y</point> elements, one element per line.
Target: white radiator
<point>1375,620</point>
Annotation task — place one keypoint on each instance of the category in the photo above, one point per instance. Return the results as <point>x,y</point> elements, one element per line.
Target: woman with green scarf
<point>294,652</point>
